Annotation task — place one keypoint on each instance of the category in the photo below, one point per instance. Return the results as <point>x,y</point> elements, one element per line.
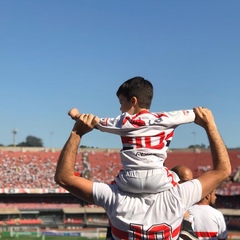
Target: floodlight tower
<point>50,140</point>
<point>194,141</point>
<point>14,132</point>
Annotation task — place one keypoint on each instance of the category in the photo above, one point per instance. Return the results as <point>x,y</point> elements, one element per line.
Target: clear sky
<point>59,54</point>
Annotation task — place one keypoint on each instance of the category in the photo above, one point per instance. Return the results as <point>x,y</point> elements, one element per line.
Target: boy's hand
<point>74,113</point>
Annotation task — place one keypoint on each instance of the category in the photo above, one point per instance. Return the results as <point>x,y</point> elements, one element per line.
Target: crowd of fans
<point>27,170</point>
<point>36,169</point>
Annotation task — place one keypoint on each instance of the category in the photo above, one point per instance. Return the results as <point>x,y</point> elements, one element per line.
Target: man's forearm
<point>219,152</point>
<point>65,177</point>
<point>66,162</point>
<point>220,159</point>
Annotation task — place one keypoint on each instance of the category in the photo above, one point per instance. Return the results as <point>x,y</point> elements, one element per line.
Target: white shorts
<point>146,181</point>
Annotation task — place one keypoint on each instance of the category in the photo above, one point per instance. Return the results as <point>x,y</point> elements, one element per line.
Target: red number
<point>158,141</point>
<point>162,231</point>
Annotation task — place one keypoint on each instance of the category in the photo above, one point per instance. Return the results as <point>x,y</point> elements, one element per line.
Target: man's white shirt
<point>209,223</point>
<point>147,216</point>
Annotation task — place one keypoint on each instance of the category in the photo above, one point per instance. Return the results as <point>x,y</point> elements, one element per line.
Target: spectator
<point>185,174</point>
<point>209,223</point>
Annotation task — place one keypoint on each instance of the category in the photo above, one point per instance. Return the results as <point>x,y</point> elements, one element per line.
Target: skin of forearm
<point>66,162</point>
<point>78,186</point>
<point>221,161</point>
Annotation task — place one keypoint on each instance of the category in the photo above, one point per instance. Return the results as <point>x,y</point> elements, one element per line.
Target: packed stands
<point>33,171</point>
<point>29,175</point>
<point>27,170</point>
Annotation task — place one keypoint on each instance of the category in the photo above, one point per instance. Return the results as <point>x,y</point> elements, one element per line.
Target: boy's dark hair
<point>137,87</point>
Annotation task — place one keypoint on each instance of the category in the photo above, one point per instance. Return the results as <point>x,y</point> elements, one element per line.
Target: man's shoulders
<point>207,208</point>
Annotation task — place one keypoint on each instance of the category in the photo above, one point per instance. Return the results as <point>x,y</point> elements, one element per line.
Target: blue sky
<point>59,54</point>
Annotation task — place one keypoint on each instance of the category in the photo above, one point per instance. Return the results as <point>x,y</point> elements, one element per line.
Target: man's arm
<point>64,176</point>
<point>221,162</point>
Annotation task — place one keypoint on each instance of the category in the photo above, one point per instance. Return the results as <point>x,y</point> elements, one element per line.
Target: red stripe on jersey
<point>145,112</point>
<point>152,113</point>
<point>119,233</point>
<point>138,122</point>
<point>162,115</point>
<point>138,142</point>
<point>147,142</point>
<point>176,231</point>
<point>170,135</point>
<point>127,140</point>
<point>206,234</point>
<point>135,123</point>
<point>142,112</point>
<point>124,121</point>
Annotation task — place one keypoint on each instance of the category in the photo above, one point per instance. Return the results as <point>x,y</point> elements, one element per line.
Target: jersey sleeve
<point>104,195</point>
<point>193,196</point>
<point>175,118</point>
<point>111,125</point>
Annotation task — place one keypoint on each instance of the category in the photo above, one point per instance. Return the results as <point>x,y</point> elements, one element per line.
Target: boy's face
<point>125,105</point>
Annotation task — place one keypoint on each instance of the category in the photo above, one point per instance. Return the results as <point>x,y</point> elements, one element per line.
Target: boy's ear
<point>134,101</point>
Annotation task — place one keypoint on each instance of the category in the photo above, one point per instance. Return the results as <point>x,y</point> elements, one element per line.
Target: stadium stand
<point>29,195</point>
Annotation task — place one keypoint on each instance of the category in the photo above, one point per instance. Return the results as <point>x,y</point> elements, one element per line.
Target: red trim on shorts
<point>169,174</point>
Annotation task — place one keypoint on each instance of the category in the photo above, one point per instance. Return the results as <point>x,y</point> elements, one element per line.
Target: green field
<point>36,234</point>
<point>48,238</point>
<point>232,235</point>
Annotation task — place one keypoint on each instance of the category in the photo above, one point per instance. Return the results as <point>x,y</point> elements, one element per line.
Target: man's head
<point>210,199</point>
<point>184,173</point>
<point>135,93</point>
<point>213,198</point>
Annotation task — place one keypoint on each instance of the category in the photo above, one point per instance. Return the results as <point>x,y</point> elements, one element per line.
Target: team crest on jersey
<point>173,113</point>
<point>104,121</point>
<point>185,112</point>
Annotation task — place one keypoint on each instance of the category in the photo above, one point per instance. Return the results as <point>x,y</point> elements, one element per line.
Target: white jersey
<point>209,222</point>
<point>145,136</point>
<point>146,216</point>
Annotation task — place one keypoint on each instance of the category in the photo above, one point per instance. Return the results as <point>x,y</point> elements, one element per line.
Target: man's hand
<point>85,123</point>
<point>204,117</point>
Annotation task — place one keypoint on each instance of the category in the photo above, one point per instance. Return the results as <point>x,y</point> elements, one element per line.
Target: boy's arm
<point>179,117</point>
<point>110,125</point>
<point>64,175</point>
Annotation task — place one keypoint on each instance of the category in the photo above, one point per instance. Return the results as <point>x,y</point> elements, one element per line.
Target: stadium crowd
<point>32,170</point>
<point>35,169</point>
<point>27,170</point>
